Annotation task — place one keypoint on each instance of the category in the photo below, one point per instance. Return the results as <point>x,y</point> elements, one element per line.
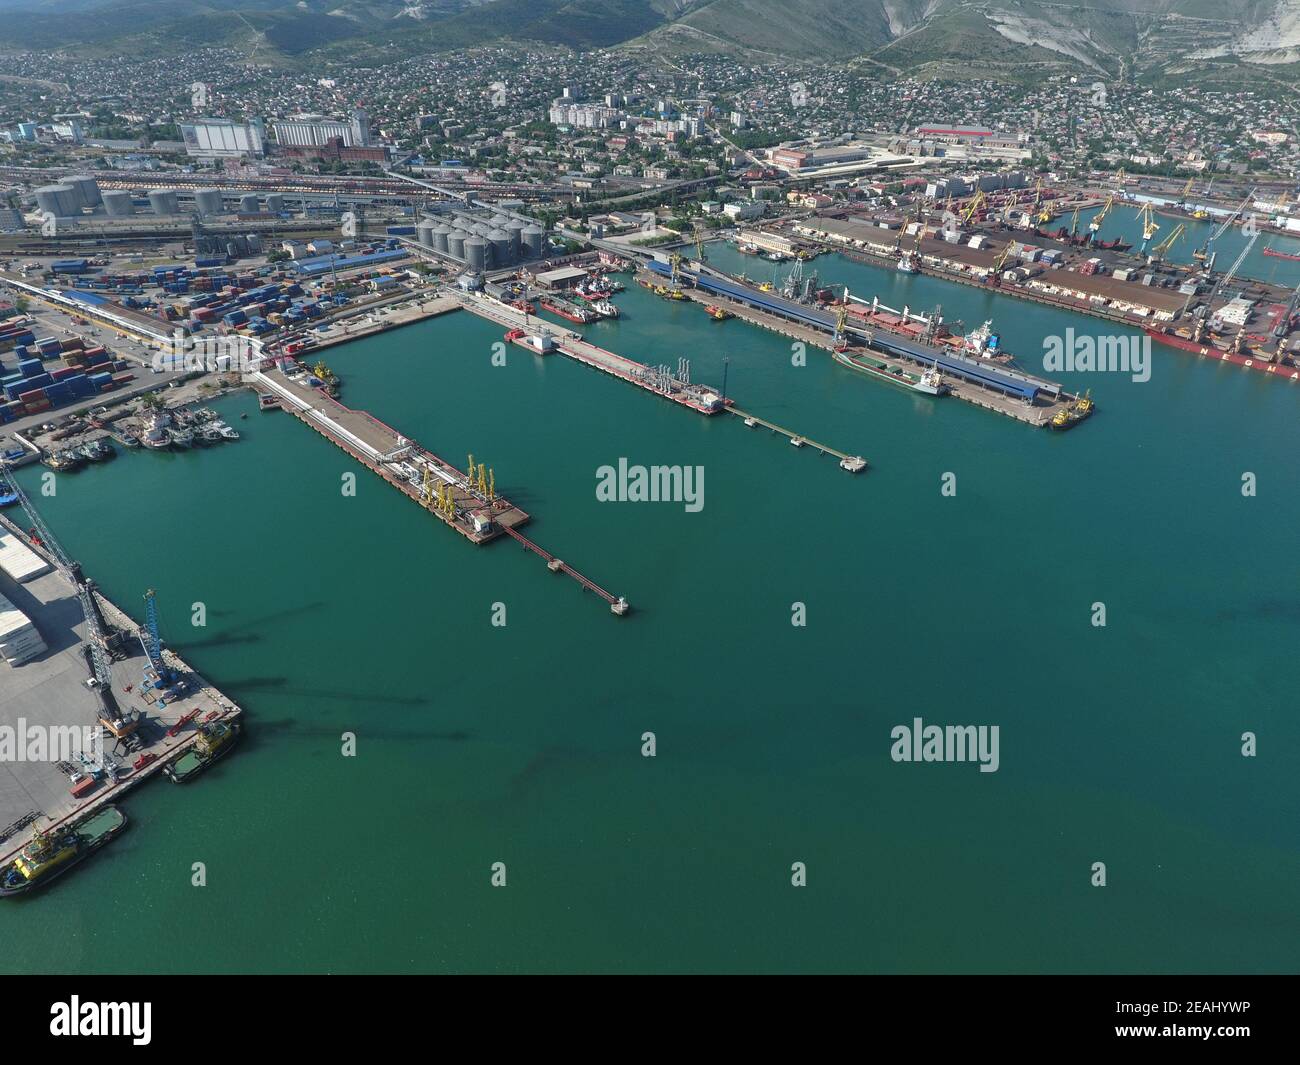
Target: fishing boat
<point>129,439</point>
<point>227,433</point>
<point>183,437</point>
<point>51,853</point>
<point>97,450</point>
<point>8,496</point>
<point>906,263</point>
<point>214,741</point>
<point>157,438</point>
<point>208,435</point>
<point>605,308</point>
<point>929,383</point>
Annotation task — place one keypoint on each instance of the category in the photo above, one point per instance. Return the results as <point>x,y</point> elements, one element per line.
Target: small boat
<point>208,435</point>
<point>8,496</point>
<point>64,461</point>
<point>266,401</point>
<point>97,450</point>
<point>157,439</point>
<point>605,308</point>
<point>718,314</point>
<point>51,853</point>
<point>183,437</point>
<point>1070,416</point>
<point>129,439</point>
<point>227,433</point>
<point>212,743</point>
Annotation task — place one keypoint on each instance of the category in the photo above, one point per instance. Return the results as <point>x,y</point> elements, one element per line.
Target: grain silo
<point>439,235</point>
<point>61,201</point>
<point>274,202</point>
<point>499,240</point>
<point>515,231</point>
<point>476,254</point>
<point>117,204</point>
<point>249,203</point>
<point>164,202</point>
<point>534,238</point>
<point>456,244</point>
<point>208,201</point>
<point>424,233</point>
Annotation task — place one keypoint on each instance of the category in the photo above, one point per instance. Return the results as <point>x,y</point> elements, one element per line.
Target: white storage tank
<point>62,201</point>
<point>87,189</point>
<point>208,201</point>
<point>117,204</point>
<point>534,238</point>
<point>164,202</point>
<point>456,244</point>
<point>476,254</point>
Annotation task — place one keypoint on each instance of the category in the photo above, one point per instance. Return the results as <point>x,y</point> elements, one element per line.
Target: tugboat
<point>907,263</point>
<point>64,461</point>
<point>1070,416</point>
<point>214,740</point>
<point>605,308</point>
<point>718,314</point>
<point>52,853</point>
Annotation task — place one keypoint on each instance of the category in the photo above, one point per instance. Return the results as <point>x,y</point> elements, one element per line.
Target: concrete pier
<point>49,692</point>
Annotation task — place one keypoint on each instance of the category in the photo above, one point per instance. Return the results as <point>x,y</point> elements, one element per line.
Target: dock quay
<point>465,500</point>
<point>700,398</point>
<point>1005,391</point>
<point>378,316</point>
<point>670,387</point>
<point>48,693</point>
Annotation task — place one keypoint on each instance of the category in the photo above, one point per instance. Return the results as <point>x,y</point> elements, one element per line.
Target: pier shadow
<point>282,686</point>
<point>1286,610</point>
<point>295,728</point>
<point>249,632</point>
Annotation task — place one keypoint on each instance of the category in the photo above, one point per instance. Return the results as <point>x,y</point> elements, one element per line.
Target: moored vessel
<point>51,853</point>
<point>214,741</point>
<point>929,382</point>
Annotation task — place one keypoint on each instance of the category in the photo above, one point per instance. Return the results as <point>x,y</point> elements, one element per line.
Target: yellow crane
<point>1100,216</point>
<point>699,242</point>
<point>1149,224</point>
<point>1162,249</point>
<point>974,206</point>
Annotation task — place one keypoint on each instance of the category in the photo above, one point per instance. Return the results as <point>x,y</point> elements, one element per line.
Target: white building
<point>218,138</point>
<point>313,131</point>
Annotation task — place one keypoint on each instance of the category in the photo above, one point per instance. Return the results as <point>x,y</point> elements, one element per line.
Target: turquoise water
<point>522,744</point>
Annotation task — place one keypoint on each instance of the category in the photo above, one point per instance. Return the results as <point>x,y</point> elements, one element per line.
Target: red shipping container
<point>66,371</point>
<point>74,344</point>
<point>36,407</point>
<point>33,394</point>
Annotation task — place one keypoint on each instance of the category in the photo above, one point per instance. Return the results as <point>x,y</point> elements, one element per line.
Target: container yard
<point>40,374</point>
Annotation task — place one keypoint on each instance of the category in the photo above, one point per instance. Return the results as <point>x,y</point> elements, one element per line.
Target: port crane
<point>1162,249</point>
<point>975,204</point>
<point>1095,222</point>
<point>1149,224</point>
<point>1205,254</point>
<point>101,642</point>
<point>151,642</point>
<point>1226,280</point>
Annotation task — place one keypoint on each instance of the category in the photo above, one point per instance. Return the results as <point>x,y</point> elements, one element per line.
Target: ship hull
<point>904,380</point>
<point>1207,351</point>
<point>87,849</point>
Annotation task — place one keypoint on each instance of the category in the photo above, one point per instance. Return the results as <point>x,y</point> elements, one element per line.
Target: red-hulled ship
<point>1282,254</point>
<point>1208,351</point>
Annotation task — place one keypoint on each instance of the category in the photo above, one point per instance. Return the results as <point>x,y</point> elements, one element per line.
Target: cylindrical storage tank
<point>456,244</point>
<point>59,200</point>
<point>499,239</point>
<point>424,233</point>
<point>274,202</point>
<point>249,203</point>
<point>208,201</point>
<point>164,201</point>
<point>515,231</point>
<point>476,254</point>
<point>534,238</point>
<point>117,204</point>
<point>87,188</point>
<point>439,235</point>
<point>500,221</point>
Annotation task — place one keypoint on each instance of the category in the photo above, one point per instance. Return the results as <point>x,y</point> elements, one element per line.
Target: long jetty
<point>451,495</point>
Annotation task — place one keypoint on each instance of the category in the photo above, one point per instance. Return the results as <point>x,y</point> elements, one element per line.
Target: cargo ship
<point>574,312</point>
<point>51,853</point>
<point>1209,351</point>
<point>929,382</point>
<point>213,742</point>
<point>1281,254</point>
